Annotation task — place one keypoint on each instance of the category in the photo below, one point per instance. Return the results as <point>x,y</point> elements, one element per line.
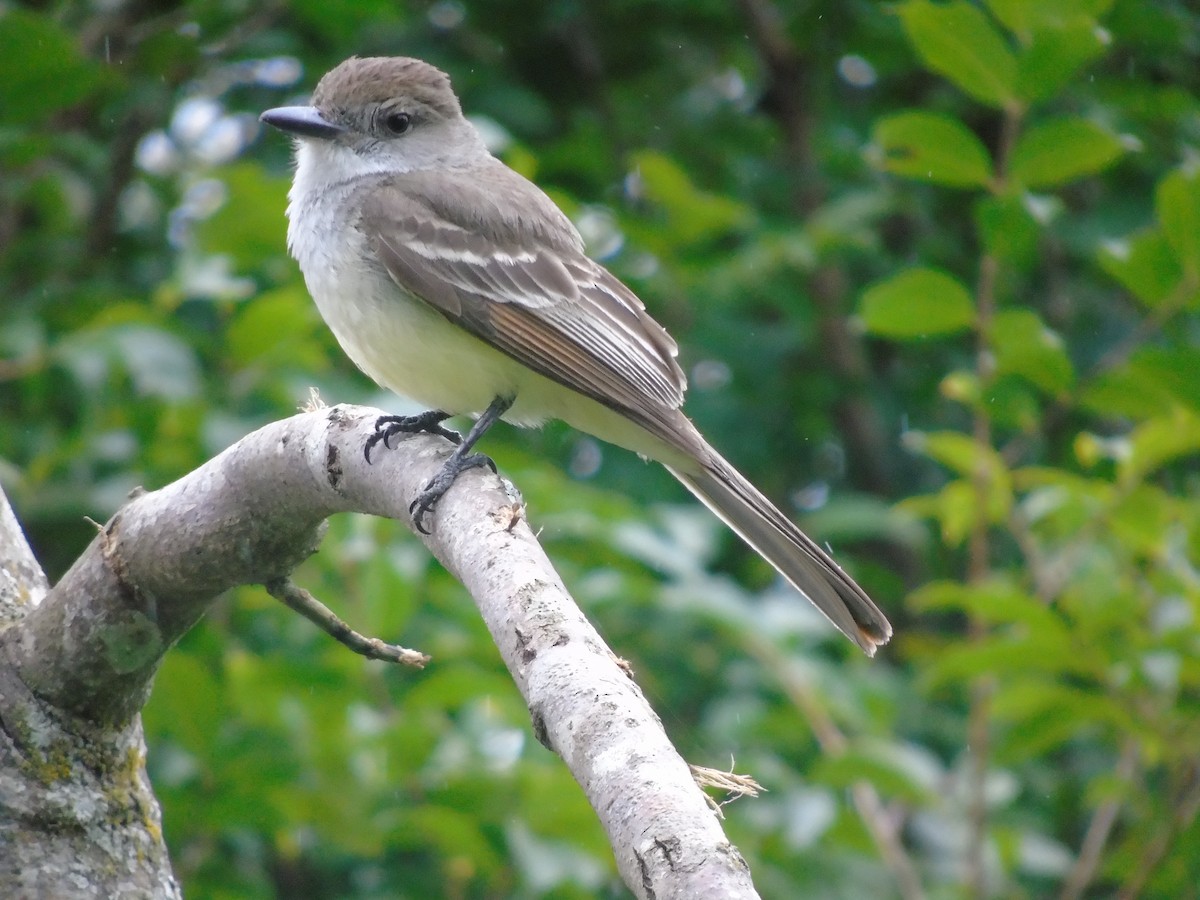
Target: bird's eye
<point>397,122</point>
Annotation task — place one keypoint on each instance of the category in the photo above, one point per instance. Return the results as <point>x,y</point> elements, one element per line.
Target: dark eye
<point>397,122</point>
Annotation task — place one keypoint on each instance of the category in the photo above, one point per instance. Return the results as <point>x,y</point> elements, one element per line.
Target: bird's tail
<point>793,553</point>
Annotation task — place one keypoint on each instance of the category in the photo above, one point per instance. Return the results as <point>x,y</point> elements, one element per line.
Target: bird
<point>452,280</point>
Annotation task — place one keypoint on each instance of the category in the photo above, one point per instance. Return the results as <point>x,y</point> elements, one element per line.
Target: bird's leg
<point>459,461</point>
<point>387,427</point>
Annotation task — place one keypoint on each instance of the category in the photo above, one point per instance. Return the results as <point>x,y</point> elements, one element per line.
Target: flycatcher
<point>452,280</point>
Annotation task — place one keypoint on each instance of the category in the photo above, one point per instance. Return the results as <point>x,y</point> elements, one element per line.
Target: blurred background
<point>935,272</point>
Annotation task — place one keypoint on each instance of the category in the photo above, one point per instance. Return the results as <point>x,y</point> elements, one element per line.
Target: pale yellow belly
<point>414,351</point>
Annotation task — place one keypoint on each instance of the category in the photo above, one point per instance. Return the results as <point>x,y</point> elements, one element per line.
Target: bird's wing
<point>543,303</point>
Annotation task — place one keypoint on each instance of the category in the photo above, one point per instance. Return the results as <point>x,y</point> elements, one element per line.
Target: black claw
<point>441,482</point>
<point>417,510</point>
<point>387,427</point>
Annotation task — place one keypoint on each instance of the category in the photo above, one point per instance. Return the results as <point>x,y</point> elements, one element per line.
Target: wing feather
<point>548,306</point>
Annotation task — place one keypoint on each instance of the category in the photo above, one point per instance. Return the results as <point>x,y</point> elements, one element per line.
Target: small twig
<point>1098,830</point>
<point>1045,587</point>
<point>979,545</point>
<point>731,783</point>
<point>1158,848</point>
<point>882,824</point>
<point>301,601</point>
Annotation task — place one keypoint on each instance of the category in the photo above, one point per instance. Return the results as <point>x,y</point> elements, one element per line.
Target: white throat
<point>321,164</point>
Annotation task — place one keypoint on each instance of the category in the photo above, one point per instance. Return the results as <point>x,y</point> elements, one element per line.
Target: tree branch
<point>76,807</point>
<point>254,512</point>
<point>23,584</point>
<point>299,600</point>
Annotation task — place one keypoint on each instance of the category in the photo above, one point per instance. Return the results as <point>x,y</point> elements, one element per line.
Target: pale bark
<point>77,815</point>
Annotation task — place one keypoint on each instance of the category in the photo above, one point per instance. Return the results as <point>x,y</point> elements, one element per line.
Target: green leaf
<point>959,42</point>
<point>954,508</point>
<point>1144,264</point>
<point>250,227</point>
<point>1142,520</point>
<point>1024,16</point>
<point>958,452</point>
<point>1159,441</point>
<point>917,303</point>
<point>1055,55</point>
<point>277,329</point>
<point>1177,202</point>
<point>44,69</point>
<point>692,214</point>
<point>932,147</point>
<point>1125,393</point>
<point>996,602</point>
<point>1024,346</point>
<point>961,453</point>
<point>958,505</point>
<point>1152,382</point>
<point>1042,712</point>
<point>1059,37</point>
<point>1056,152</point>
<point>1033,652</point>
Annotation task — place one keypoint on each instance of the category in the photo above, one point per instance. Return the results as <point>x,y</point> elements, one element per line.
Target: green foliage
<point>1058,151</point>
<point>44,70</point>
<point>958,41</point>
<point>1177,202</point>
<point>1070,649</point>
<point>917,303</point>
<point>1004,193</point>
<point>934,146</point>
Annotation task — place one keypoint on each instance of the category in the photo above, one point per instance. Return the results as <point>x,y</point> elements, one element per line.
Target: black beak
<point>303,121</point>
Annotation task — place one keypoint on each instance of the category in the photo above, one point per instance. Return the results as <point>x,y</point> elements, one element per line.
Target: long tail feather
<point>805,565</point>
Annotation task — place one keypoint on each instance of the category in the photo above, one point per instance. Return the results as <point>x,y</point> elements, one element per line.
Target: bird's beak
<point>303,121</point>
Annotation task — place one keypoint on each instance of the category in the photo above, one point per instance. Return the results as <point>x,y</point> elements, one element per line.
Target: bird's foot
<point>458,462</point>
<point>387,427</point>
